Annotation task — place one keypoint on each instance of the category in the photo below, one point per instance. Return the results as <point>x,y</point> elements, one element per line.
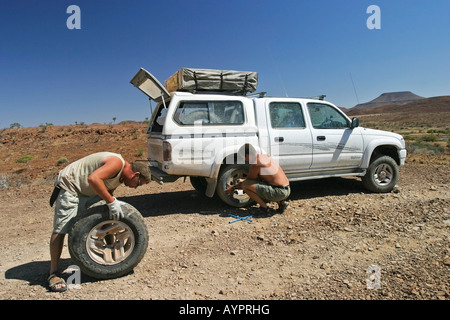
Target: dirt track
<point>320,248</point>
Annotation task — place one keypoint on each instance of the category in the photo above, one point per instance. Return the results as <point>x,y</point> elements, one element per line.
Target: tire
<point>229,176</point>
<point>105,248</point>
<point>382,175</point>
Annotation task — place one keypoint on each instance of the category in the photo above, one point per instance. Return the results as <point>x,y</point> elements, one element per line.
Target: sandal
<point>54,280</point>
<point>282,206</point>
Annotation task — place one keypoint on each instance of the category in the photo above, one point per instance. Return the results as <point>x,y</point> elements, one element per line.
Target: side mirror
<point>355,123</point>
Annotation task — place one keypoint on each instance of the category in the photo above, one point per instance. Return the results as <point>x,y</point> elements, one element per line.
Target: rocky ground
<point>323,247</point>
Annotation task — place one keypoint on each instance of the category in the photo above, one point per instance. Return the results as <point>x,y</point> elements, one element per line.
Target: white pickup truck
<point>199,134</point>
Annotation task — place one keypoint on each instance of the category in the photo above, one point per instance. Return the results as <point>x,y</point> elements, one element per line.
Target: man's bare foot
<point>56,284</point>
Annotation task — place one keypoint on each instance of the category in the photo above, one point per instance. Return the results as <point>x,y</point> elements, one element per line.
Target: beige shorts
<point>69,208</point>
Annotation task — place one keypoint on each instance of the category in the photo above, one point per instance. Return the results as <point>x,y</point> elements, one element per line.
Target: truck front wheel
<point>230,176</point>
<point>382,175</point>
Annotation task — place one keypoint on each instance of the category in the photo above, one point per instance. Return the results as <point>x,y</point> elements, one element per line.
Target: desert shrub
<point>62,160</point>
<point>24,159</point>
<point>408,138</point>
<point>43,127</point>
<point>140,152</point>
<point>424,148</point>
<point>430,138</point>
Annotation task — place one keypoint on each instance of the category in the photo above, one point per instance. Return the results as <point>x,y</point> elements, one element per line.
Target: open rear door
<point>148,84</point>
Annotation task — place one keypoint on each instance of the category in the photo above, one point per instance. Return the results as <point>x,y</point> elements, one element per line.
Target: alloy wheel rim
<point>110,242</point>
<point>383,174</point>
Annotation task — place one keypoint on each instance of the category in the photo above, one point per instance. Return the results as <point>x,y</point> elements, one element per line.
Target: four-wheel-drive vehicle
<point>197,133</point>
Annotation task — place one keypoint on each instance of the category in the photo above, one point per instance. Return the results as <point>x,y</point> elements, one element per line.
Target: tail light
<point>167,151</point>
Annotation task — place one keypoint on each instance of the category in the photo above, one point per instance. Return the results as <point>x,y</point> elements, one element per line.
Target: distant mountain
<point>389,98</point>
<point>433,105</point>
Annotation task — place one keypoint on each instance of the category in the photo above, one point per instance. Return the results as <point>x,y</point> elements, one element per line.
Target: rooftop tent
<point>193,80</point>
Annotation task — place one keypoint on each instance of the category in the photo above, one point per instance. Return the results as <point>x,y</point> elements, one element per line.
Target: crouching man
<point>81,184</point>
<point>265,182</point>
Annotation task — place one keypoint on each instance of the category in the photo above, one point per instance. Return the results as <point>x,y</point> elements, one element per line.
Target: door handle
<point>320,138</point>
<point>279,139</point>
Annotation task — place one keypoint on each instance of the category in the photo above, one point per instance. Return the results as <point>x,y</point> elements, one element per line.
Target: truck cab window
<point>189,113</point>
<point>227,112</point>
<point>209,113</point>
<point>286,115</point>
<point>326,117</point>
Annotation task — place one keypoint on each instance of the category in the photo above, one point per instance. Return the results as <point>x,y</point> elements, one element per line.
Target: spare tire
<point>105,248</point>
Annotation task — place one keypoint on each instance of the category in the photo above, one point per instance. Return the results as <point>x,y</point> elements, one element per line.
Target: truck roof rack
<point>225,93</point>
<point>321,97</point>
<point>258,94</point>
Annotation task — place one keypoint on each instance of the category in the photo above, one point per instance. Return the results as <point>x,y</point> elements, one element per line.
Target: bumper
<point>402,155</point>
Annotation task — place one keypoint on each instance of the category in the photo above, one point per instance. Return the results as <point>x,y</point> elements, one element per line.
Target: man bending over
<point>81,184</point>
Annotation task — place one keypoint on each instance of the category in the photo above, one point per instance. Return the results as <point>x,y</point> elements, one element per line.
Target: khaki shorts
<point>69,208</point>
<point>270,193</point>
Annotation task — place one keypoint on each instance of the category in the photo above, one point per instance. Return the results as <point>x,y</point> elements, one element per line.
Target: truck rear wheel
<point>382,175</point>
<point>230,176</point>
<point>105,248</point>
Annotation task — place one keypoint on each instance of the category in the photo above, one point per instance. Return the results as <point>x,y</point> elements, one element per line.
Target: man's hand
<point>229,190</point>
<point>115,210</point>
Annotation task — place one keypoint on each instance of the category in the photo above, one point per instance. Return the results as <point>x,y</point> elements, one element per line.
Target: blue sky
<point>50,74</point>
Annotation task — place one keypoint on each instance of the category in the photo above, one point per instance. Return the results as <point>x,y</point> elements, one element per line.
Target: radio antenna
<point>279,74</point>
<point>354,88</point>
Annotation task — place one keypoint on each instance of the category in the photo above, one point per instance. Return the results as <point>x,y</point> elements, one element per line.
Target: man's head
<point>136,174</point>
<point>248,153</point>
<point>144,171</point>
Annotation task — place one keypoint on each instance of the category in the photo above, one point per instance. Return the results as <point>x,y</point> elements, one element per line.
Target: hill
<point>435,105</point>
<point>425,124</point>
<point>46,147</point>
<point>390,98</point>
